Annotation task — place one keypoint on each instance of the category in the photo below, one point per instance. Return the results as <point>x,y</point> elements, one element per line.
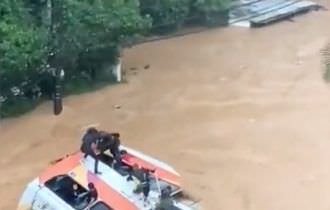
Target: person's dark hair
<point>123,152</point>
<point>92,130</point>
<point>117,135</point>
<point>91,185</point>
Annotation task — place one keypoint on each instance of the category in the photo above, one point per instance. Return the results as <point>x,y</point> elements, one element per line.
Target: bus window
<point>101,206</point>
<point>69,191</point>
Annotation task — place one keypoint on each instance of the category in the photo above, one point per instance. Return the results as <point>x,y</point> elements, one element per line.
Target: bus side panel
<point>47,200</point>
<point>26,200</point>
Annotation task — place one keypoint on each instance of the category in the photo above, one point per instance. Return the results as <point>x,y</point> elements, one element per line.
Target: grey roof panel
<point>287,11</point>
<point>264,11</point>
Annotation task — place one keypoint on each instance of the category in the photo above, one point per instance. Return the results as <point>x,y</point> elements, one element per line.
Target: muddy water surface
<point>243,114</point>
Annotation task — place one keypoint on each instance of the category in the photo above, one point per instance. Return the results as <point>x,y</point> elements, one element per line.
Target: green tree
<point>167,15</point>
<point>208,6</point>
<point>85,30</point>
<point>78,36</point>
<point>214,12</point>
<point>21,47</point>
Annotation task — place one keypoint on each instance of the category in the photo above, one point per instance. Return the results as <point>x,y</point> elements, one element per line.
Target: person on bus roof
<point>114,148</point>
<point>110,141</point>
<point>92,194</point>
<point>89,146</point>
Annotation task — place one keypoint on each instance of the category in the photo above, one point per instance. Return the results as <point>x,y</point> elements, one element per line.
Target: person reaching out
<point>110,141</point>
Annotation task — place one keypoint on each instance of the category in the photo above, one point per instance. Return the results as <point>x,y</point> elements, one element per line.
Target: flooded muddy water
<point>244,115</point>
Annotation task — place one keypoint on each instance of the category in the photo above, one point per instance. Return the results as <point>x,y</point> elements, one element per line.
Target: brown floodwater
<point>244,116</point>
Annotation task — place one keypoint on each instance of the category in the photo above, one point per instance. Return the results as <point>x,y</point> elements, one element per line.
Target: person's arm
<point>89,197</point>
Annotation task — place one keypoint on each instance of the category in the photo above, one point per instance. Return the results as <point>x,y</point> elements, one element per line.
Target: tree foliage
<point>209,6</point>
<point>168,14</point>
<point>78,36</point>
<point>21,46</point>
<point>213,12</point>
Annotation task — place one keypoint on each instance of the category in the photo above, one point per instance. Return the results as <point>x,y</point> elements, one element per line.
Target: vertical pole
<point>157,182</point>
<point>58,106</point>
<point>56,73</point>
<point>118,70</point>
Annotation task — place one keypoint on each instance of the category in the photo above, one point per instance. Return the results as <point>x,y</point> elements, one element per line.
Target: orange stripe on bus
<point>62,167</point>
<point>105,192</point>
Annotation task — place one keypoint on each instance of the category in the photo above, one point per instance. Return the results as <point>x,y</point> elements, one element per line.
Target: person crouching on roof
<point>110,141</point>
<point>114,148</point>
<point>143,176</point>
<point>166,201</point>
<point>89,146</point>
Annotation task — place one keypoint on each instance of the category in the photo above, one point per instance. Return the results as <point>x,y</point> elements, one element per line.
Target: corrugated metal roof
<point>263,11</point>
<point>286,11</point>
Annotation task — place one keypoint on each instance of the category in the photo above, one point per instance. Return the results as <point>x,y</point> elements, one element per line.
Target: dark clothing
<point>104,142</point>
<point>92,195</point>
<point>139,174</point>
<point>146,183</point>
<point>146,189</point>
<point>166,193</point>
<point>87,141</point>
<point>96,163</point>
<point>110,142</point>
<point>114,149</point>
<point>86,147</point>
<point>143,177</point>
<point>166,204</point>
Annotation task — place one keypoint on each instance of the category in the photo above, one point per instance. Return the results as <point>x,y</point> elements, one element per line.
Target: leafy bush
<point>214,12</point>
<point>208,6</point>
<point>94,31</point>
<point>167,15</point>
<point>76,36</point>
<point>21,47</point>
<point>80,37</point>
<point>16,106</point>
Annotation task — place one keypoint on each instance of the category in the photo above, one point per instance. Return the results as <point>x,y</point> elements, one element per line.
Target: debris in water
<point>117,106</point>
